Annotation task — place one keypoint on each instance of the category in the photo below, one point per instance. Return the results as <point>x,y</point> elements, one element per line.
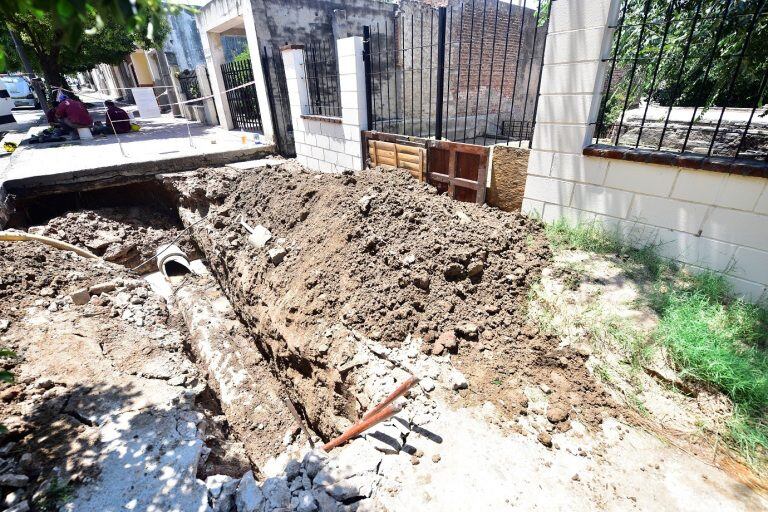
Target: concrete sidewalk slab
<point>164,144</point>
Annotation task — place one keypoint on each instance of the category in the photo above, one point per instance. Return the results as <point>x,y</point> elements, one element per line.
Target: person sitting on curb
<point>72,114</point>
<point>118,120</point>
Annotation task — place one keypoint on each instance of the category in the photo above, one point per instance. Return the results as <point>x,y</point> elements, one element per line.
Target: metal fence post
<point>367,67</point>
<point>440,73</point>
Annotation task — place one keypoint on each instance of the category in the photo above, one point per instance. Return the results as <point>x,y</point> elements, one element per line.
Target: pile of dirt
<point>123,235</point>
<point>97,358</point>
<point>387,259</point>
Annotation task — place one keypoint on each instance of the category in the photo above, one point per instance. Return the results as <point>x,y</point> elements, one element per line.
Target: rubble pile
<point>126,236</point>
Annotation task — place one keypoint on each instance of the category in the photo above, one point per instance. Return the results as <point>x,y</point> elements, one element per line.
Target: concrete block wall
<point>329,144</point>
<point>702,219</point>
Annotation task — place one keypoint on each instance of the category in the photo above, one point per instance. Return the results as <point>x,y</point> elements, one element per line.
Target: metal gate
<point>243,103</point>
<point>277,91</point>
<point>468,72</point>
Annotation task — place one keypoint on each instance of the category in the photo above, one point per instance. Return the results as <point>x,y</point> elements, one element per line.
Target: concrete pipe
<point>172,261</point>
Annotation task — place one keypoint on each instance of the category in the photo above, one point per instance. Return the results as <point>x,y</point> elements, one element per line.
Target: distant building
<point>183,47</point>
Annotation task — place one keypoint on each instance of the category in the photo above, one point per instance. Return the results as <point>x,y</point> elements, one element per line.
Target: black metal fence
<point>322,75</point>
<point>243,102</point>
<point>277,91</point>
<point>468,72</point>
<point>189,84</point>
<point>688,76</point>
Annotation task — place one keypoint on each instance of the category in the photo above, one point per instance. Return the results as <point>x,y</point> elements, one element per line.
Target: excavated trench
<point>349,285</point>
<point>247,419</point>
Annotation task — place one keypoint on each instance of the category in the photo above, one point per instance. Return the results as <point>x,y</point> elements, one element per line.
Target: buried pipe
<point>381,415</point>
<point>16,236</point>
<point>172,261</point>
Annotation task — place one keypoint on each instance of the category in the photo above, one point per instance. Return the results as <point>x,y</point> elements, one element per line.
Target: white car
<point>20,91</point>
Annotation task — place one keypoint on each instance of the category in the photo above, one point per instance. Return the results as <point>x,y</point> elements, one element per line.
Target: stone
<point>277,255</point>
<point>13,480</point>
<point>457,380</point>
<point>276,493</point>
<point>325,502</point>
<point>226,499</point>
<point>557,414</point>
<point>436,458</point>
<point>306,502</point>
<point>421,281</point>
<point>100,288</point>
<point>427,384</point>
<point>20,507</point>
<point>214,483</point>
<point>448,340</point>
<point>292,469</point>
<point>545,439</point>
<point>259,237</point>
<point>47,291</point>
<point>43,383</point>
<point>475,268</point>
<point>4,324</point>
<point>365,204</point>
<point>463,217</point>
<point>468,330</point>
<point>12,498</point>
<point>313,462</point>
<point>249,497</point>
<point>453,271</point>
<point>81,297</point>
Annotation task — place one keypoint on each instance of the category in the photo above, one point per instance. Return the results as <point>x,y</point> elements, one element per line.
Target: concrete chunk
<point>259,237</point>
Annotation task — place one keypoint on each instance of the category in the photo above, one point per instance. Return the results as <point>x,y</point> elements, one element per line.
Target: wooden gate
<point>243,103</point>
<point>458,169</point>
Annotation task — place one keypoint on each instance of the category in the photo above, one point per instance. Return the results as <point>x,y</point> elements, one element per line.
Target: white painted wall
<point>218,17</point>
<point>326,145</point>
<point>703,219</point>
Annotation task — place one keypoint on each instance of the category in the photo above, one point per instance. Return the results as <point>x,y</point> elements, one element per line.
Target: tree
<point>699,46</point>
<point>109,42</point>
<point>71,21</point>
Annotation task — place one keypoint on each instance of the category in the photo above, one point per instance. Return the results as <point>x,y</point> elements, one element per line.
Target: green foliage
<point>695,74</point>
<point>712,336</point>
<point>6,376</point>
<point>57,495</point>
<point>244,55</point>
<point>587,237</point>
<point>64,37</point>
<point>720,340</point>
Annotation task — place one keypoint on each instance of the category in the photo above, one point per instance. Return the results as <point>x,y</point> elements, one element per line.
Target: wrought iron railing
<point>468,72</point>
<point>688,77</point>
<point>322,75</point>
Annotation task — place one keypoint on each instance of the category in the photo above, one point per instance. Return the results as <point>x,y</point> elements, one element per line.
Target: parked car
<point>20,91</point>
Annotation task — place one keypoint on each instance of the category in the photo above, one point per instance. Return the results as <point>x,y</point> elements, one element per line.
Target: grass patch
<point>720,340</point>
<point>711,336</point>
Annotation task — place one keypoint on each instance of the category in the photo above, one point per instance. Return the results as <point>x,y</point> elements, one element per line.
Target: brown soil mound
<point>385,257</point>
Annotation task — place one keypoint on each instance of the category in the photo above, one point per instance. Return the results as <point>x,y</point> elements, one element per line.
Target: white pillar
<point>258,76</point>
<point>214,58</point>
<point>323,143</point>
<point>211,116</point>
<point>578,40</point>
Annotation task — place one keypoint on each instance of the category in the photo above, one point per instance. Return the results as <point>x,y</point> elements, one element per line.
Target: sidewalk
<point>164,144</point>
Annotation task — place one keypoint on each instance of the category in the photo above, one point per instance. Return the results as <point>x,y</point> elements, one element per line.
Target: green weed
<point>712,336</point>
<point>55,496</point>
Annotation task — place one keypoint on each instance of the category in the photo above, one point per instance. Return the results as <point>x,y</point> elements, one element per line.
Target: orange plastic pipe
<point>401,390</point>
<point>381,415</point>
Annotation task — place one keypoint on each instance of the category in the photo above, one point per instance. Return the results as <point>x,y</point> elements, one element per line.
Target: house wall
<point>184,41</point>
<point>703,219</point>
